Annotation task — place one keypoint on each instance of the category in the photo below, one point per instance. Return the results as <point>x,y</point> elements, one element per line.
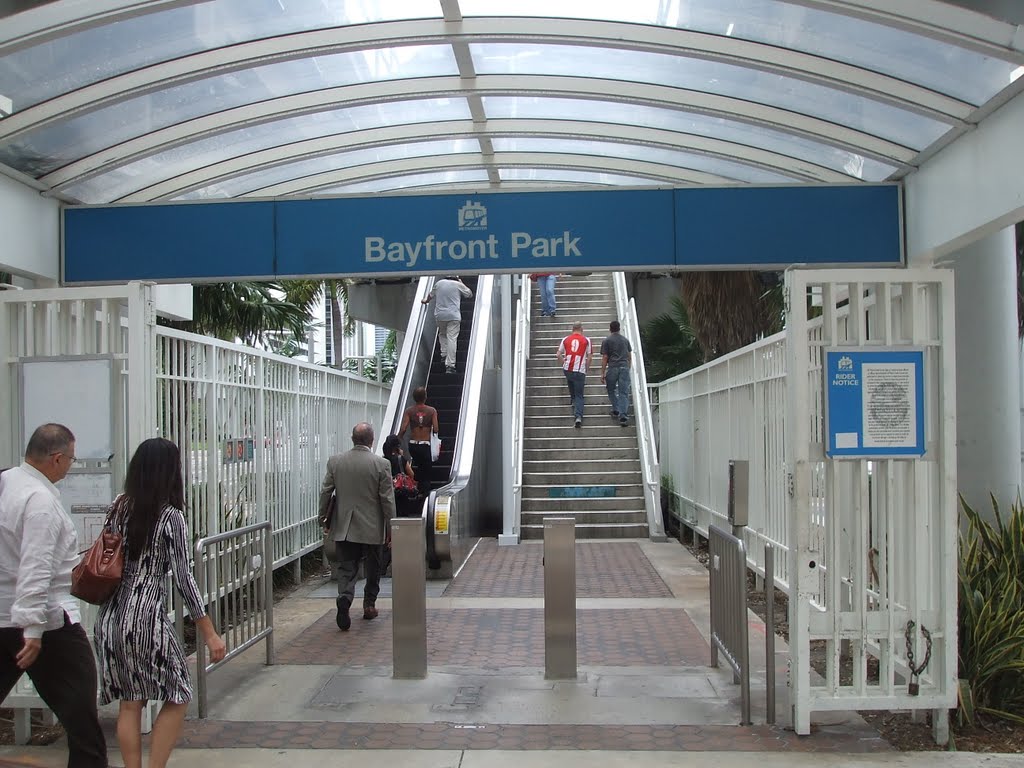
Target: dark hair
<point>153,482</point>
<point>420,395</point>
<point>392,445</point>
<point>47,439</point>
<point>614,326</point>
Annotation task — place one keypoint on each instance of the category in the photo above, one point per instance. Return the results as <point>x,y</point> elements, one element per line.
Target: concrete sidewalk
<point>643,694</point>
<point>53,757</point>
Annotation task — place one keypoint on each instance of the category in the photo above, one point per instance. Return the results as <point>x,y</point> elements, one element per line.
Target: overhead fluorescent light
<point>729,29</point>
<point>1016,73</point>
<point>6,106</point>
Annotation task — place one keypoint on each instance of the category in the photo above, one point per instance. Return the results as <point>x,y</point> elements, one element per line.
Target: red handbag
<point>405,485</point>
<point>98,576</point>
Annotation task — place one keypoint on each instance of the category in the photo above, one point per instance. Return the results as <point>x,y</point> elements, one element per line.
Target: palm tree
<point>670,345</point>
<point>729,310</point>
<point>337,294</point>
<point>246,311</point>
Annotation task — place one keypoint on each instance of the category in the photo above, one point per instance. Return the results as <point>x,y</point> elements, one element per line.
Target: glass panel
<point>945,68</point>
<point>55,145</point>
<point>542,108</point>
<point>43,71</point>
<point>571,177</point>
<point>872,117</point>
<point>692,160</point>
<point>107,187</point>
<point>468,176</point>
<point>281,173</point>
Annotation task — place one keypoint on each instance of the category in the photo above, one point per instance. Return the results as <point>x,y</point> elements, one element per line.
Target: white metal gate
<point>872,544</point>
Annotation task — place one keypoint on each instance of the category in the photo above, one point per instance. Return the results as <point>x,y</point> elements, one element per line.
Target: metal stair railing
<point>625,308</point>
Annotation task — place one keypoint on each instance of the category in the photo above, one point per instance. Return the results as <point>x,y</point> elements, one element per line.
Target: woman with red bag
<point>139,655</point>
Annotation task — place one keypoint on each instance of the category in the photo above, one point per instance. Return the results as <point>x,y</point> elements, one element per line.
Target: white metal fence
<point>731,408</point>
<point>255,429</point>
<point>871,545</point>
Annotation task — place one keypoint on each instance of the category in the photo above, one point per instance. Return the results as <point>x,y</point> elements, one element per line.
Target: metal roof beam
<point>322,42</point>
<point>936,19</point>
<point>657,173</point>
<point>418,132</point>
<point>497,85</point>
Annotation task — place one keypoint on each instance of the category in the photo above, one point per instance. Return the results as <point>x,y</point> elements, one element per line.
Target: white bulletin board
<point>77,392</point>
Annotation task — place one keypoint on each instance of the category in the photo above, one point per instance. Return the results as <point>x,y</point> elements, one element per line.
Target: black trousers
<point>422,465</point>
<point>64,674</point>
<point>349,553</point>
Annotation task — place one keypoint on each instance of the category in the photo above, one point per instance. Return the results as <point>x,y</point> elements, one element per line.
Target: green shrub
<point>991,647</point>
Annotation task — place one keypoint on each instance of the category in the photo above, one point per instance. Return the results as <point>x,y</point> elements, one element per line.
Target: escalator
<point>444,390</point>
<point>465,502</point>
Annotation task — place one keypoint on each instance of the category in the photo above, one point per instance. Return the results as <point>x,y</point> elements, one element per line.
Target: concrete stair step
<point>590,465</point>
<point>597,504</point>
<point>584,531</point>
<point>589,517</point>
<point>582,476</point>
<point>573,439</point>
<point>581,455</point>
<point>601,427</point>
<point>544,491</point>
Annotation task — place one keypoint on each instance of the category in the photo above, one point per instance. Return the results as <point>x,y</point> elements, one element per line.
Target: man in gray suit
<point>361,483</point>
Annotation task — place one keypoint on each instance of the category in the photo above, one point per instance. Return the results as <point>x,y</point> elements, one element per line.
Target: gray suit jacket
<point>366,496</point>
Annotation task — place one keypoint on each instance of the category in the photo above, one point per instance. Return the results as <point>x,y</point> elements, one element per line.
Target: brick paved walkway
<point>284,735</point>
<point>603,569</point>
<point>509,637</point>
<point>504,637</point>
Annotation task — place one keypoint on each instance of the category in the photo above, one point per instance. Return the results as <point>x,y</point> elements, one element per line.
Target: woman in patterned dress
<point>139,656</point>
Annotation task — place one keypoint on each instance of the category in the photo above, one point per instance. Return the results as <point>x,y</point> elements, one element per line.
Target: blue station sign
<point>763,228</point>
<point>874,403</point>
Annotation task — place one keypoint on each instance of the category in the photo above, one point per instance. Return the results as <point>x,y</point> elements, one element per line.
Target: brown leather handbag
<point>98,576</point>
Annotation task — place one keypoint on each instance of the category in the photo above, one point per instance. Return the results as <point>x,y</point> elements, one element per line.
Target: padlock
<point>914,688</point>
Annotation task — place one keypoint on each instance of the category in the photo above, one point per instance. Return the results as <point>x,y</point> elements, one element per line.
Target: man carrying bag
<point>40,630</point>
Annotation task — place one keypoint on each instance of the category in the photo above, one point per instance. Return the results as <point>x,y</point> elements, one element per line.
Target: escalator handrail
<point>519,362</point>
<point>466,433</point>
<point>625,308</point>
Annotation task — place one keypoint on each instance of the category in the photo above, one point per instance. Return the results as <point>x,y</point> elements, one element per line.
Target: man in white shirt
<point>40,629</point>
<point>447,295</point>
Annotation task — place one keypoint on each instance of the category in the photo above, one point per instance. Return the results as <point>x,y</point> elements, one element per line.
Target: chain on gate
<point>913,688</point>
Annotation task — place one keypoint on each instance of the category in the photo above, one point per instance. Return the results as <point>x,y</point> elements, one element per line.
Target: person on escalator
<point>447,297</point>
<point>406,494</point>
<point>421,421</point>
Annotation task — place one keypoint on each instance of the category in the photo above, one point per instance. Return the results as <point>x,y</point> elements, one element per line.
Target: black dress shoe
<point>369,612</point>
<point>342,619</point>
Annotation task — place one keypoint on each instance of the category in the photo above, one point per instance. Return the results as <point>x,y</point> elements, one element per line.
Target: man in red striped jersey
<point>575,353</point>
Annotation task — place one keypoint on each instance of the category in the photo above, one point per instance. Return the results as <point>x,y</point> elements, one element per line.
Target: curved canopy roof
<point>153,100</point>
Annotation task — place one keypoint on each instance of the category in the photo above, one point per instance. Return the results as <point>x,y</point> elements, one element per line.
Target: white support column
<point>508,502</point>
<point>988,371</point>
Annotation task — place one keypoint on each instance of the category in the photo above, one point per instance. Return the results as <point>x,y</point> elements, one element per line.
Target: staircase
<point>593,473</point>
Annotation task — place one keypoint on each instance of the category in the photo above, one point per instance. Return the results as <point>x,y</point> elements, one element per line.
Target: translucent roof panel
<point>553,108</point>
<point>110,186</point>
<point>467,176</point>
<point>692,160</point>
<point>48,148</point>
<point>841,107</point>
<point>38,73</point>
<point>257,180</point>
<point>957,72</point>
<point>571,177</point>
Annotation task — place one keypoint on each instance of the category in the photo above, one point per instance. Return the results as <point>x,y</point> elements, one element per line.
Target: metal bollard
<point>559,598</point>
<point>409,598</point>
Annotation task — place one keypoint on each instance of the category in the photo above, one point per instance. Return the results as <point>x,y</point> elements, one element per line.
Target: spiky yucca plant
<point>991,647</point>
